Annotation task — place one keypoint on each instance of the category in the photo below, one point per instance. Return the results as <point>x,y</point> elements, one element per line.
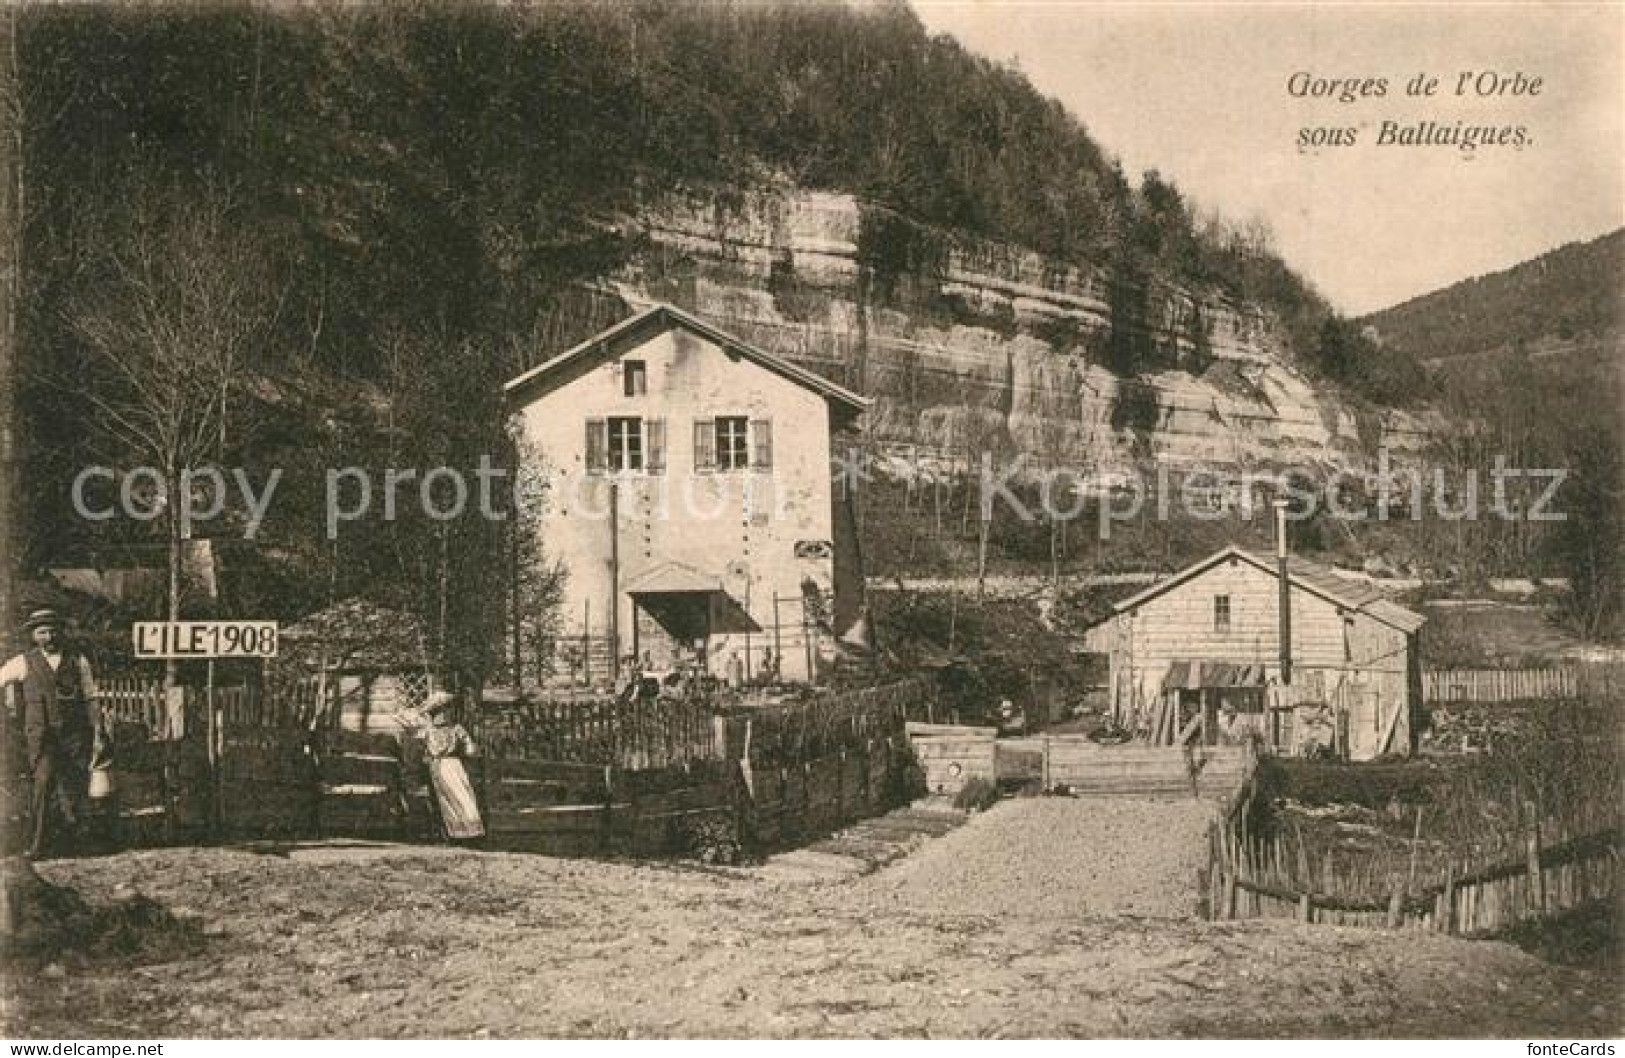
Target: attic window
<point>1221,614</point>
<point>635,378</point>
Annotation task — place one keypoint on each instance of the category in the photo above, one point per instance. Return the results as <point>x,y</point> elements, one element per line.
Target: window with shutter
<point>733,443</point>
<point>597,444</point>
<point>626,443</point>
<point>705,444</point>
<point>654,435</point>
<point>761,443</point>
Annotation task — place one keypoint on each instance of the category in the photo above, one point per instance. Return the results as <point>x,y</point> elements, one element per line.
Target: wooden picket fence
<point>793,731</point>
<point>1550,867</point>
<point>581,773</point>
<point>1501,685</point>
<point>642,734</point>
<point>593,776</point>
<point>599,730</point>
<point>133,700</point>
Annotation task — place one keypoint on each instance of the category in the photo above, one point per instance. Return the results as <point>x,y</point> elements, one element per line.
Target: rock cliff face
<point>968,345</point>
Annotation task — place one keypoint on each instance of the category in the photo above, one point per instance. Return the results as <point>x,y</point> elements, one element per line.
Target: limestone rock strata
<point>969,345</point>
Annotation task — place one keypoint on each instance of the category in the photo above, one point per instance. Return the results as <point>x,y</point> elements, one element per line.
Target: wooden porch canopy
<point>1201,675</point>
<point>689,603</point>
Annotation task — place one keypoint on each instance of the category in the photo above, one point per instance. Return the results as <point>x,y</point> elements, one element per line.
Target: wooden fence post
<point>1537,880</point>
<point>1394,916</point>
<point>607,834</point>
<point>1306,908</point>
<point>216,746</point>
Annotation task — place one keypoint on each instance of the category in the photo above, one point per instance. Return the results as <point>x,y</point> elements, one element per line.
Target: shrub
<point>977,795</point>
<point>906,778</point>
<point>711,841</point>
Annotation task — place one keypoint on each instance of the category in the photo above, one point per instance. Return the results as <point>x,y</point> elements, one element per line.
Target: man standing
<point>59,722</point>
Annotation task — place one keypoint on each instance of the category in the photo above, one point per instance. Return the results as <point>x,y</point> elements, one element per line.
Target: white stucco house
<point>690,496</point>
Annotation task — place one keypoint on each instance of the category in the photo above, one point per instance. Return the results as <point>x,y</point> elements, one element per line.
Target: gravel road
<point>1056,857</point>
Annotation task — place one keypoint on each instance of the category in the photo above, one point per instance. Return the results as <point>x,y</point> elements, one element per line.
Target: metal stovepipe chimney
<point>1286,593</point>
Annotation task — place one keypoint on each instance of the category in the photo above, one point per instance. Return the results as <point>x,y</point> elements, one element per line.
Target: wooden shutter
<point>761,444</point>
<point>597,444</point>
<point>654,441</point>
<point>705,444</point>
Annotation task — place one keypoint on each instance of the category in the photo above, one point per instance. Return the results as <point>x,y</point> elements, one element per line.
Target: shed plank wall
<point>1179,625</point>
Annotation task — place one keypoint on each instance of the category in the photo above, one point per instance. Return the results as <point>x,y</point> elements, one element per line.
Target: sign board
<point>183,640</point>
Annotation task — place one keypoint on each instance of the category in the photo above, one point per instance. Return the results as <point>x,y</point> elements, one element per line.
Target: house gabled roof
<point>661,318</point>
<point>1351,595</point>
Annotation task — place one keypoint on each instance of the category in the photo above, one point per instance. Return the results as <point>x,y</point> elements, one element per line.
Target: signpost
<point>205,641</point>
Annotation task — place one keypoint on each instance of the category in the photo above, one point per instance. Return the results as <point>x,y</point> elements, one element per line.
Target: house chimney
<point>1286,593</point>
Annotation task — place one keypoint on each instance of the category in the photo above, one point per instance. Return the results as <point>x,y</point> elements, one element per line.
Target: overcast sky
<point>1200,92</point>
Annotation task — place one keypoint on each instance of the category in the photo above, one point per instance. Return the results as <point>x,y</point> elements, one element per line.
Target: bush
<point>711,841</point>
<point>977,795</point>
<point>906,778</point>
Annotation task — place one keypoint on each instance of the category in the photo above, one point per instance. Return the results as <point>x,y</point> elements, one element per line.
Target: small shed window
<point>1221,613</point>
<point>635,378</point>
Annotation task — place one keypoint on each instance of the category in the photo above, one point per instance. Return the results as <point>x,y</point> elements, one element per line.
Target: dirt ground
<point>402,942</point>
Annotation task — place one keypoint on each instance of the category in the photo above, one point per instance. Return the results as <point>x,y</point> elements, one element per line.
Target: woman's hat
<point>42,619</point>
<point>438,701</point>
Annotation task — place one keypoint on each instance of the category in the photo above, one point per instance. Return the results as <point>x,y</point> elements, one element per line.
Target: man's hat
<point>41,619</point>
<point>438,701</point>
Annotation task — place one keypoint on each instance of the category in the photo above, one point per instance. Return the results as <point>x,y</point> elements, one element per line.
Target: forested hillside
<point>1529,360</point>
<point>1569,295</point>
<point>308,237</point>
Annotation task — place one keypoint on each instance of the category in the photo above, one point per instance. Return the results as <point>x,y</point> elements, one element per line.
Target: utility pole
<point>516,613</point>
<point>614,581</point>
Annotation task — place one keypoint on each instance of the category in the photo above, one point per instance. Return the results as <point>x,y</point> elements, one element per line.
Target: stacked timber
<point>1084,767</point>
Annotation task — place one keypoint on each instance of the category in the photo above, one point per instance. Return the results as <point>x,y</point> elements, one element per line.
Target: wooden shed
<point>1198,656</point>
<point>372,662</point>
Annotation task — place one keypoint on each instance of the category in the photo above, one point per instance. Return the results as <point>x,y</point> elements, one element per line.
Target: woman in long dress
<point>445,744</point>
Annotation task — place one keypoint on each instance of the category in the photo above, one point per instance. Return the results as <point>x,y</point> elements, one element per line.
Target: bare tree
<point>11,227</point>
<point>184,307</point>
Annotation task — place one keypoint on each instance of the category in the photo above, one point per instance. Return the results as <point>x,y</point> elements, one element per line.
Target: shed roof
<point>1311,577</point>
<point>660,318</point>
